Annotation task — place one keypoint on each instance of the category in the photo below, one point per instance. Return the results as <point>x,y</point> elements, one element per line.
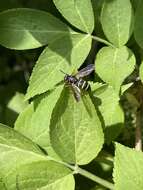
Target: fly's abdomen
<point>82,84</point>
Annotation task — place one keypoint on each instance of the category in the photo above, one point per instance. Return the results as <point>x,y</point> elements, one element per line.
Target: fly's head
<point>69,79</point>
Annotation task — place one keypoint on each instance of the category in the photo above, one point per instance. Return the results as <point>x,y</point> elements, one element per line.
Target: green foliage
<point>29,28</point>
<point>141,72</point>
<point>138,26</point>
<point>51,133</point>
<point>24,165</point>
<point>128,165</point>
<point>75,128</point>
<point>117,62</point>
<point>117,21</point>
<point>74,12</point>
<point>67,54</point>
<point>34,121</point>
<point>113,122</point>
<point>17,103</point>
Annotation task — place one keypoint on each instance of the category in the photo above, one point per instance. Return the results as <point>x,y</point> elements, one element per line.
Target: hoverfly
<point>77,83</point>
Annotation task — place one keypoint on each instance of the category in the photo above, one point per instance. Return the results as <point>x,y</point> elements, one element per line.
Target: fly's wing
<point>76,92</point>
<point>85,71</point>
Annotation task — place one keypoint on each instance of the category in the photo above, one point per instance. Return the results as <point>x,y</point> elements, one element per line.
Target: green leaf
<point>2,184</point>
<point>125,87</point>
<point>24,166</point>
<point>117,21</point>
<point>113,65</point>
<point>109,99</point>
<point>111,111</point>
<point>9,137</point>
<point>34,121</point>
<point>64,54</point>
<point>141,71</point>
<point>97,86</point>
<point>23,122</point>
<point>13,147</point>
<point>138,31</point>
<point>28,28</point>
<point>42,175</point>
<point>128,168</point>
<point>114,123</point>
<point>78,13</point>
<point>75,130</point>
<point>17,103</point>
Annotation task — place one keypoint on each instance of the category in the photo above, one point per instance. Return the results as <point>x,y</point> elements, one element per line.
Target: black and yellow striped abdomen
<point>82,84</point>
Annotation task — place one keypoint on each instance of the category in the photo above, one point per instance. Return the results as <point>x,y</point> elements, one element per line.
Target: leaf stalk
<point>95,178</point>
<point>102,41</point>
<point>77,170</point>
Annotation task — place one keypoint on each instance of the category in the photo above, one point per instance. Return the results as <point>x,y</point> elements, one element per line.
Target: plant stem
<point>95,178</point>
<point>102,41</point>
<point>77,170</point>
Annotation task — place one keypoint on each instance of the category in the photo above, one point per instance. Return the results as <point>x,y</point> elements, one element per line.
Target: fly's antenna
<point>63,72</point>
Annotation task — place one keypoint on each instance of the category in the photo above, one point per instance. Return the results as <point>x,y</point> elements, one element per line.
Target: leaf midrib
<point>23,151</point>
<point>81,18</point>
<point>118,23</point>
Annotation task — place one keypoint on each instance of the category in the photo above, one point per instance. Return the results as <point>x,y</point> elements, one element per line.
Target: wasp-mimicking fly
<point>77,83</point>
